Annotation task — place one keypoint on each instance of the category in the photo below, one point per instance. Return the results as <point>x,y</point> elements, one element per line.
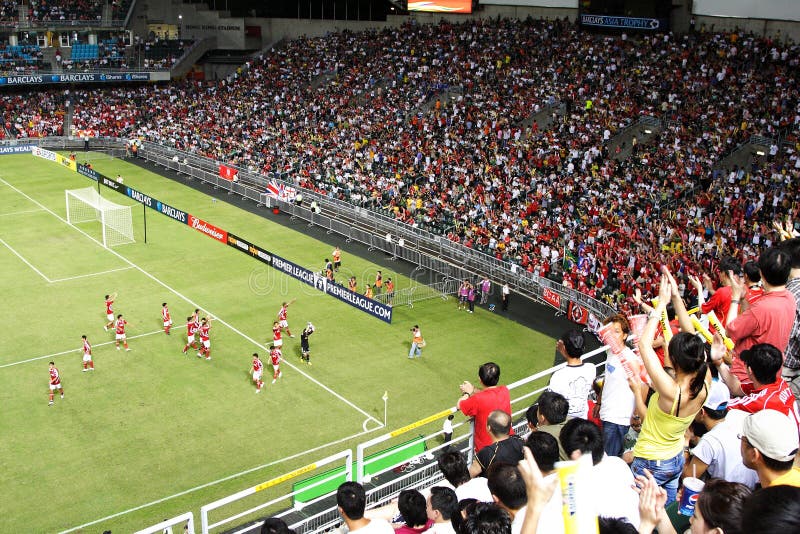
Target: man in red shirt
<point>765,391</point>
<point>191,330</point>
<point>258,368</point>
<point>166,318</point>
<point>119,329</point>
<point>110,310</point>
<point>480,403</point>
<point>88,363</point>
<point>720,301</point>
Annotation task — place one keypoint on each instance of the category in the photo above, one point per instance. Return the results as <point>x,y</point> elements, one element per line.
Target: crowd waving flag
<point>281,192</point>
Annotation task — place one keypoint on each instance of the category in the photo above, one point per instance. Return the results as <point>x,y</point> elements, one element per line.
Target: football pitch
<point>153,433</point>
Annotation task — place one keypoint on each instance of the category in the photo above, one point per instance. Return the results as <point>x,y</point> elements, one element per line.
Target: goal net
<point>85,205</point>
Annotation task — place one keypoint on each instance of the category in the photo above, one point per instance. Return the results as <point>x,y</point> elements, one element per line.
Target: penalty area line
<point>75,350</point>
<point>218,481</point>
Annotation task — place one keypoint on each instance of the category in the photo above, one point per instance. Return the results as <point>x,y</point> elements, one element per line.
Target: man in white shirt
<point>442,504</point>
<point>574,381</point>
<point>718,451</point>
<point>351,500</point>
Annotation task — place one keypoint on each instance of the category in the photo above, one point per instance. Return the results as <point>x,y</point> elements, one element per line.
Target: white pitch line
<point>194,304</point>
<point>91,274</point>
<point>75,350</point>
<point>215,482</point>
<point>19,213</point>
<point>29,264</point>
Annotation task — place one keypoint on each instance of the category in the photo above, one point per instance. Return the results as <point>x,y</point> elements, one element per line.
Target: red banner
<point>228,173</point>
<point>577,313</point>
<point>209,229</point>
<point>552,298</point>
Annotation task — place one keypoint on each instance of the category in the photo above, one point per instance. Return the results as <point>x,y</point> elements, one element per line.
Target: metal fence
<point>417,293</point>
<point>430,252</point>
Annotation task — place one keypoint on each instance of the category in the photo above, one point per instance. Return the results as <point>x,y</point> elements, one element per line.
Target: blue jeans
<point>614,438</point>
<point>416,350</point>
<point>666,472</point>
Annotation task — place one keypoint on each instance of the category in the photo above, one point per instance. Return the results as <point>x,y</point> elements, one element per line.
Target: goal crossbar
<point>86,204</point>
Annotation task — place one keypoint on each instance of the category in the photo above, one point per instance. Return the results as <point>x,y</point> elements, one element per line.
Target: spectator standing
<point>447,431</point>
<point>505,293</point>
<point>549,415</point>
<point>505,448</point>
<point>672,408</point>
<point>508,489</point>
<point>720,300</point>
<point>617,403</point>
<point>791,362</point>
<point>769,446</point>
<point>574,381</point>
<point>770,318</point>
<point>351,500</point>
<point>717,453</point>
<point>442,504</point>
<point>480,403</point>
<point>544,449</point>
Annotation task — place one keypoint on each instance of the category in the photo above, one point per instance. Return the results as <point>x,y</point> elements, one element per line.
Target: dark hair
<point>412,507</point>
<point>275,525</point>
<point>730,264</point>
<point>622,320</point>
<point>751,271</point>
<point>689,354</point>
<point>574,343</point>
<point>554,407</point>
<point>463,509</point>
<point>792,248</point>
<point>163,303</point>
<point>582,435</point>
<point>777,465</point>
<point>544,448</point>
<point>486,518</point>
<point>716,415</point>
<point>445,500</point>
<point>499,423</point>
<point>489,373</point>
<point>764,361</point>
<point>506,483</point>
<point>352,499</point>
<point>532,414</point>
<point>772,510</point>
<point>775,266</point>
<point>721,503</point>
<point>453,466</point>
<point>615,525</point>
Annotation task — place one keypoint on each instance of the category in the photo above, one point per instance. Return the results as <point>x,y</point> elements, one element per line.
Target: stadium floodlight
<point>85,205</point>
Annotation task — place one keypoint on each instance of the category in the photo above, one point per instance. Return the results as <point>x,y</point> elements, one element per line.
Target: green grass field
<point>133,442</point>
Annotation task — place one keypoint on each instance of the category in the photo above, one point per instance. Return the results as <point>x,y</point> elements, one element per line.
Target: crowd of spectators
<point>63,10</point>
<point>431,125</point>
<point>24,57</point>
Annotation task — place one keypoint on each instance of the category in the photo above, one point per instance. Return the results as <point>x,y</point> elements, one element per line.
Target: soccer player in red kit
<point>205,339</point>
<point>166,318</point>
<point>282,317</point>
<point>119,328</point>
<point>110,310</point>
<point>276,334</point>
<point>55,382</point>
<point>88,363</point>
<point>258,368</point>
<point>276,357</point>
<point>191,330</point>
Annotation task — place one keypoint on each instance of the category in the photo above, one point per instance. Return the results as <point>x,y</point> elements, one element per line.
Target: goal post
<point>85,205</point>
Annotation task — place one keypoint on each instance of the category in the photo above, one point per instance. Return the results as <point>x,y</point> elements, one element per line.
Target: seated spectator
<point>442,504</point>
<point>717,453</point>
<point>453,466</point>
<point>486,518</point>
<point>352,501</point>
<point>480,403</point>
<point>504,447</point>
<point>769,446</point>
<point>611,477</point>
<point>773,510</point>
<point>769,319</point>
<point>575,380</point>
<point>763,391</point>
<point>549,414</point>
<point>676,402</point>
<point>412,506</point>
<point>544,449</point>
<point>275,525</point>
<point>508,489</point>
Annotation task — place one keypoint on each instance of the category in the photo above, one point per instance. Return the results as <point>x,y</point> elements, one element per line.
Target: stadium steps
<point>646,130</point>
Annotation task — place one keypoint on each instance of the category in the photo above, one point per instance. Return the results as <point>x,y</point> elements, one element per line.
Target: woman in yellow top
<point>675,403</point>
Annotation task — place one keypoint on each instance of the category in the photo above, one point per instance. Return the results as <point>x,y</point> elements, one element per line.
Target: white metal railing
<point>186,519</point>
